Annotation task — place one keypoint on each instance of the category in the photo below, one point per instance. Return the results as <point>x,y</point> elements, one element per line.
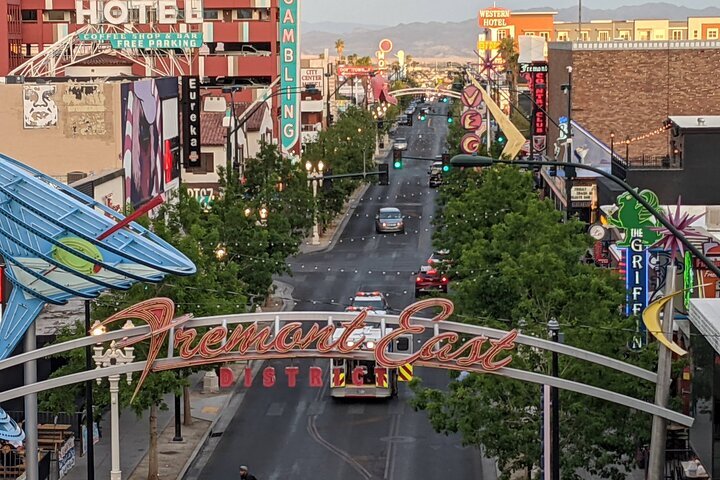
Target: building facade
<point>639,30</point>
<point>667,79</point>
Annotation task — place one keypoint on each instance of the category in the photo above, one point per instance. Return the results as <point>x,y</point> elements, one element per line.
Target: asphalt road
<point>288,433</point>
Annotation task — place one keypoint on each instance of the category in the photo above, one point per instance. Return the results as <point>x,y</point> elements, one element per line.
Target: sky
<point>392,12</point>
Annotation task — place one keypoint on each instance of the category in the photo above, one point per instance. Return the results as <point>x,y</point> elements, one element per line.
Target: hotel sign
<point>493,17</point>
<point>121,41</point>
<point>289,74</point>
<point>117,12</point>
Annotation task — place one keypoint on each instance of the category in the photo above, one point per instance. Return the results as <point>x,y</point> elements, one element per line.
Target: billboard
<point>150,137</point>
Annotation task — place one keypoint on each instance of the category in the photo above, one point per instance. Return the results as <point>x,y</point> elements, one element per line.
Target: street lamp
<point>220,252</point>
<point>109,358</point>
<point>554,328</point>
<point>315,175</point>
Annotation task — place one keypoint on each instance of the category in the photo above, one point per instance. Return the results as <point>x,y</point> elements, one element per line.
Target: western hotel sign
<point>494,17</point>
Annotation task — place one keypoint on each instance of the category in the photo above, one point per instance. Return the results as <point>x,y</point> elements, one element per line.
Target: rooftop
<point>694,121</point>
<point>212,131</point>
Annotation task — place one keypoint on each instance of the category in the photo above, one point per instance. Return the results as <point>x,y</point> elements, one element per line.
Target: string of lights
<point>644,136</point>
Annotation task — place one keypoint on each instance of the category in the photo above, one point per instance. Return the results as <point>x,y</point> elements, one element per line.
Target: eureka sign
<point>117,12</point>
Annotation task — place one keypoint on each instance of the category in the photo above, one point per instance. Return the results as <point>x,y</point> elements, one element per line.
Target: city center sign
<point>118,12</point>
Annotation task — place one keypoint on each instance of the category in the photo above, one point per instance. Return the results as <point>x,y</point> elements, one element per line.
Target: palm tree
<point>340,47</point>
<point>509,54</point>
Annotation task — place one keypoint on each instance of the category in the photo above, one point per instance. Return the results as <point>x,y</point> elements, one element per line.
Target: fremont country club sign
<point>218,344</point>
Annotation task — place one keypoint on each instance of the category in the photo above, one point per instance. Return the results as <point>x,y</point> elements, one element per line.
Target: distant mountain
<point>659,10</point>
<point>337,27</point>
<point>458,39</point>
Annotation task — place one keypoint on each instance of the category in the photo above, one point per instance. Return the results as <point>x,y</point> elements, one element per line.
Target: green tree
<point>340,48</point>
<point>517,265</point>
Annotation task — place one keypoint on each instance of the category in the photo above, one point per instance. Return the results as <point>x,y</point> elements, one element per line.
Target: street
<point>286,432</point>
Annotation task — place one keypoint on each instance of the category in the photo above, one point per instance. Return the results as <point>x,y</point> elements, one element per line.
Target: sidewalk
<point>330,236</point>
<point>174,458</point>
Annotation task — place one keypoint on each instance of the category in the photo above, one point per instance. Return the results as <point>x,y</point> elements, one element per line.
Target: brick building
<point>630,88</point>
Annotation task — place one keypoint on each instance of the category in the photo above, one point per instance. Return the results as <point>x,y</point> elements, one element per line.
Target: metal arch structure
<point>427,91</point>
<point>275,321</point>
<point>70,50</point>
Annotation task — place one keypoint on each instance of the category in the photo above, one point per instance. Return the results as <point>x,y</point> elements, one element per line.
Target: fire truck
<point>365,378</point>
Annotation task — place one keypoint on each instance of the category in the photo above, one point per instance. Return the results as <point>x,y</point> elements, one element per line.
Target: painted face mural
<point>39,107</point>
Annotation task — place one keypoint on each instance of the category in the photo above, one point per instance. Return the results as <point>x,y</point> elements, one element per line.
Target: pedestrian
<point>245,474</point>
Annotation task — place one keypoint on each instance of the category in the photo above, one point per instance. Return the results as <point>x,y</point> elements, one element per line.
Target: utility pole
<point>658,436</point>
<point>569,171</point>
<point>579,20</point>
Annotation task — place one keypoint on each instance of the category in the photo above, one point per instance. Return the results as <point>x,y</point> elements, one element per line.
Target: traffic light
<point>450,118</point>
<point>422,117</point>
<point>384,177</point>
<point>327,183</point>
<point>397,159</point>
<point>445,162</point>
<point>501,138</point>
<point>445,99</point>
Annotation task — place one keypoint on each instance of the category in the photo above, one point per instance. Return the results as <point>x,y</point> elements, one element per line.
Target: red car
<point>429,279</point>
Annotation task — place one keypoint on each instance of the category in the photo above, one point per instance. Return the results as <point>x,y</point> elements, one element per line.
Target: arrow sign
<point>471,96</point>
<point>471,120</point>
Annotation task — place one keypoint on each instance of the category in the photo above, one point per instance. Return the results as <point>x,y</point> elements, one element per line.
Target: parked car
<point>389,220</point>
<point>250,51</point>
<point>439,257</point>
<point>429,279</point>
<point>400,144</point>
<point>435,168</point>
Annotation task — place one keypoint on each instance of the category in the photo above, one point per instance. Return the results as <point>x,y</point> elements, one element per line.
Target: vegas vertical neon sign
<point>289,74</point>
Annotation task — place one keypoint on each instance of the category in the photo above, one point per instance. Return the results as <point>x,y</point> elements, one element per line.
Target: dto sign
<point>289,74</point>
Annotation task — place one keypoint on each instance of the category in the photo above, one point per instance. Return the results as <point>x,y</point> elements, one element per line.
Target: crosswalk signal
<point>397,159</point>
<point>445,162</point>
<point>384,176</point>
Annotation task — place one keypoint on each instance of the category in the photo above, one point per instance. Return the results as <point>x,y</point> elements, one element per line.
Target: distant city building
<point>639,30</point>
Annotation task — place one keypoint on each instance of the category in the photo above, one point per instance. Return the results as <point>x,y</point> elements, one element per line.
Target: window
<point>211,14</point>
<point>56,16</point>
<point>677,35</point>
<point>530,34</point>
<point>261,14</point>
<point>501,34</point>
<point>562,36</point>
<point>207,164</point>
<point>603,36</point>
<point>695,34</point>
<point>29,15</point>
<point>545,35</point>
<point>712,34</point>
<point>585,36</point>
<point>624,35</point>
<point>134,15</point>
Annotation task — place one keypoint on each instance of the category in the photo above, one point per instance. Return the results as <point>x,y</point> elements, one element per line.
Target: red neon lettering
<point>226,377</point>
<point>316,375</point>
<point>292,373</point>
<point>357,376</point>
<point>248,377</point>
<point>269,377</point>
<point>280,344</point>
<point>183,339</point>
<point>214,336</point>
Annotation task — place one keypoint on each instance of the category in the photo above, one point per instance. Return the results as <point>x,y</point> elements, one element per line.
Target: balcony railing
<point>620,166</point>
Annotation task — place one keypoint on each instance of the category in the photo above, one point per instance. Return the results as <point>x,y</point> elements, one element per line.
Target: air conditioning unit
<point>712,217</point>
<point>73,177</point>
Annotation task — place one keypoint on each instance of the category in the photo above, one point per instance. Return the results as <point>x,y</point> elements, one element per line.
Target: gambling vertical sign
<point>289,74</point>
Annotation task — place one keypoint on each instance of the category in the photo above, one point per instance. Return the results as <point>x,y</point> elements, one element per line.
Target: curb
<point>353,203</point>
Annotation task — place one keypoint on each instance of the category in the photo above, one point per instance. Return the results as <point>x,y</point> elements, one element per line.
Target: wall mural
<point>39,107</point>
<point>85,106</point>
<point>150,132</point>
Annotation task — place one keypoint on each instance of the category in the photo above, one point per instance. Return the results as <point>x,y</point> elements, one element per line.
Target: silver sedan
<point>389,220</point>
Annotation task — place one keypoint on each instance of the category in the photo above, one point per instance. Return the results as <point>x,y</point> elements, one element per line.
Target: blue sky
<point>391,12</point>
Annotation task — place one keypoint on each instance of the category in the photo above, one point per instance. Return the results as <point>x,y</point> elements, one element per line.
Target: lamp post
<point>612,146</point>
<point>569,170</point>
<point>111,357</point>
<point>89,403</point>
<point>315,175</point>
<point>554,328</point>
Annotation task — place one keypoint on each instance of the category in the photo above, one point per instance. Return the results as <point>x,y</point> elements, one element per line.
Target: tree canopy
<point>515,264</point>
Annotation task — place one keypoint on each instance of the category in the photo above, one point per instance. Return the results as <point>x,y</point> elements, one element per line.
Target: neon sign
<point>384,47</point>
<point>292,340</point>
<point>636,276</point>
<point>117,12</point>
<point>494,17</point>
<point>289,74</point>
